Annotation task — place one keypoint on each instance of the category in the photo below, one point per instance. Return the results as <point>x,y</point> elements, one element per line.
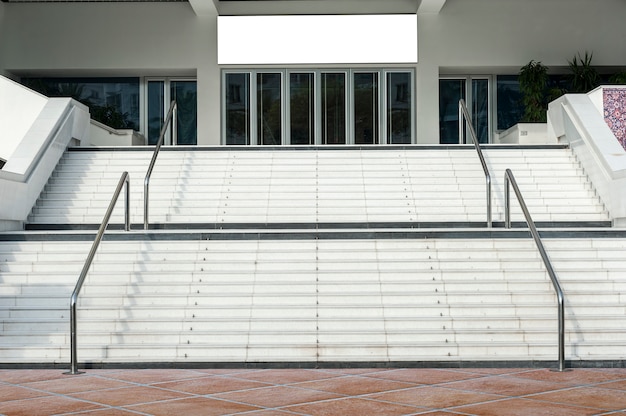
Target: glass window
<point>186,96</point>
<point>450,92</point>
<point>333,108</point>
<point>302,108</point>
<point>399,107</point>
<point>111,101</point>
<point>237,123</point>
<point>366,112</point>
<point>317,106</point>
<point>480,109</point>
<point>269,108</point>
<point>156,110</point>
<point>510,108</point>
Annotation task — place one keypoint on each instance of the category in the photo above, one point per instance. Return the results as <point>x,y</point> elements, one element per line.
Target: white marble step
<point>314,300</point>
<point>318,186</point>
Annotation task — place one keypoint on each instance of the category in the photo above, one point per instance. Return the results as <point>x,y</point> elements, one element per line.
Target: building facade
<point>128,59</point>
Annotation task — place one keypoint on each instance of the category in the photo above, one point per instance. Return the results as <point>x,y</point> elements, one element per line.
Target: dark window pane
<point>450,92</point>
<point>333,108</point>
<point>366,116</point>
<point>269,109</point>
<point>186,96</point>
<point>399,107</point>
<point>156,110</point>
<point>480,110</point>
<point>510,109</point>
<point>301,108</point>
<point>237,109</point>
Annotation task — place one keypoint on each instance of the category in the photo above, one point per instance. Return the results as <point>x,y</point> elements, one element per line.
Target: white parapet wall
<point>19,107</point>
<point>579,120</point>
<point>38,130</point>
<point>103,135</point>
<point>526,133</point>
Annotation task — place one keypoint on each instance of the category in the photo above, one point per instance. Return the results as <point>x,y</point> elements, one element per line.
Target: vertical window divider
<point>318,108</point>
<point>254,139</point>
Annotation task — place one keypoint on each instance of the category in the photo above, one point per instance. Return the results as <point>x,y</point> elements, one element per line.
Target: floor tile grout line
<point>198,375</point>
<point>530,396</point>
<point>82,412</point>
<point>71,395</point>
<point>103,406</point>
<point>559,403</point>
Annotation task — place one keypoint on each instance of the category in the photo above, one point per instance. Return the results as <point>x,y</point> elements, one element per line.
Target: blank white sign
<point>317,39</point>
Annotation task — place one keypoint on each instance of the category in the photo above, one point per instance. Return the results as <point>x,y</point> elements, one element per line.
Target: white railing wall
<point>19,108</point>
<point>35,154</point>
<point>576,119</point>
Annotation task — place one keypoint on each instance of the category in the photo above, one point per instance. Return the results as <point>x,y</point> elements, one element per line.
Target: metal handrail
<point>124,180</point>
<point>464,115</point>
<point>509,178</point>
<point>146,181</point>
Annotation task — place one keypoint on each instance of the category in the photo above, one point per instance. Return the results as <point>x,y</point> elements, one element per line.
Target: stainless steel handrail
<point>509,178</point>
<point>146,181</point>
<point>124,180</point>
<point>464,115</point>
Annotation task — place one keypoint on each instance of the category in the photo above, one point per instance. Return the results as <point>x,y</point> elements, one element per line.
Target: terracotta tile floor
<point>336,392</point>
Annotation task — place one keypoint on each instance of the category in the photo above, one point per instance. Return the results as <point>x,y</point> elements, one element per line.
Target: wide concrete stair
<point>222,186</point>
<point>315,256</point>
<point>323,300</point>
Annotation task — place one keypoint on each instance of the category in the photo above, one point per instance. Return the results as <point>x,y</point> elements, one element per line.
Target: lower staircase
<point>317,256</point>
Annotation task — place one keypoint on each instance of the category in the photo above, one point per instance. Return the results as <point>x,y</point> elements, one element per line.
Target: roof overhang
<point>290,7</point>
<point>326,7</point>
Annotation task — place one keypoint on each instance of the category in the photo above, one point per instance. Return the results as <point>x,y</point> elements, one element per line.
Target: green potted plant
<point>583,76</point>
<point>533,78</point>
<point>532,128</point>
<point>618,78</point>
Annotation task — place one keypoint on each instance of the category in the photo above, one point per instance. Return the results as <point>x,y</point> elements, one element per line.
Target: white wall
<point>19,108</point>
<point>167,38</point>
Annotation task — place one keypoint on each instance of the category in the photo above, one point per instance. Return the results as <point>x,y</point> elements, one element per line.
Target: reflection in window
<point>366,117</point>
<point>316,107</point>
<point>156,110</point>
<point>269,108</point>
<point>186,96</point>
<point>510,108</point>
<point>301,108</point>
<point>399,107</point>
<point>111,101</point>
<point>450,92</point>
<point>480,110</point>
<point>333,108</point>
<point>237,109</point>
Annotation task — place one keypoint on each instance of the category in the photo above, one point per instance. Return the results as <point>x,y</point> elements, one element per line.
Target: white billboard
<point>317,39</point>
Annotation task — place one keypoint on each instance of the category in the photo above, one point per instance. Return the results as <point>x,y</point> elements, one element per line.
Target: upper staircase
<point>313,187</point>
<point>316,255</point>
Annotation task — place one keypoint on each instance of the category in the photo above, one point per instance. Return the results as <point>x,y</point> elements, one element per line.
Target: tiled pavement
<point>341,392</point>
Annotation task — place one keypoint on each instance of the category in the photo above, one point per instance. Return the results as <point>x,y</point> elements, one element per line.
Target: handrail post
<point>124,181</point>
<point>464,116</point>
<point>509,179</point>
<point>146,182</point>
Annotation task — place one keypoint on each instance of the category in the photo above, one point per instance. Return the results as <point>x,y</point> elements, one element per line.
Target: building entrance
<point>318,107</point>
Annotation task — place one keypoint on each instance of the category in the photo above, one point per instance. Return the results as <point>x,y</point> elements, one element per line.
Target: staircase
<point>321,255</point>
<point>225,187</point>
